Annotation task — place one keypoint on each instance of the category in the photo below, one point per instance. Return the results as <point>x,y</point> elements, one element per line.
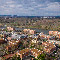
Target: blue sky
<point>30,7</point>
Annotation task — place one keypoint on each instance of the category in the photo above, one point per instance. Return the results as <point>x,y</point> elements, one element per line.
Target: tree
<point>42,57</point>
<point>16,58</point>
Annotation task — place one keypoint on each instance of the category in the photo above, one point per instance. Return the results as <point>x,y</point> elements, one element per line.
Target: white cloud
<point>1,6</point>
<point>19,5</point>
<point>29,7</point>
<point>53,6</point>
<point>11,6</point>
<point>39,5</point>
<point>33,2</point>
<point>10,2</point>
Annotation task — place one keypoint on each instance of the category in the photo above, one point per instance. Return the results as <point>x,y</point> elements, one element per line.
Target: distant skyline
<point>30,7</point>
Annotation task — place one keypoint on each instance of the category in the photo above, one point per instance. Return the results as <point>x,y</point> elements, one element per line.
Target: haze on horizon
<point>30,7</point>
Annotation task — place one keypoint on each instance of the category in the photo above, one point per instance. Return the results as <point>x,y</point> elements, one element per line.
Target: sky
<point>30,7</point>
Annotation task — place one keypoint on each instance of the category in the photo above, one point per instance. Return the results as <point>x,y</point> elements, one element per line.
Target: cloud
<point>30,7</point>
<point>53,7</point>
<point>10,2</point>
<point>11,6</point>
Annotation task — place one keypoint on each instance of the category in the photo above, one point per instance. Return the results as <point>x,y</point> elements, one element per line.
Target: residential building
<point>50,32</point>
<point>27,52</point>
<point>9,38</point>
<point>53,33</point>
<point>29,31</point>
<point>10,29</point>
<point>32,32</point>
<point>59,35</point>
<point>49,47</point>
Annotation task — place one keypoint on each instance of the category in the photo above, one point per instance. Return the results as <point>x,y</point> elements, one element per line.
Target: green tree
<point>41,57</point>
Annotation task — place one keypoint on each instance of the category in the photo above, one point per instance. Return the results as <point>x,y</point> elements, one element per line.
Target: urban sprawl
<point>28,44</point>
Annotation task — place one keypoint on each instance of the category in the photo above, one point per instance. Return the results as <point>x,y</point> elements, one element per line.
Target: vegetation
<point>41,57</point>
<point>14,58</point>
<point>50,24</point>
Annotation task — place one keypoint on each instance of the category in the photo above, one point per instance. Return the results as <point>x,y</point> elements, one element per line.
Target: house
<point>32,32</point>
<point>49,47</point>
<point>43,36</point>
<point>9,38</point>
<point>29,31</point>
<point>53,33</point>
<point>10,29</point>
<point>50,32</point>
<point>47,36</point>
<point>26,30</point>
<point>59,35</point>
<point>27,52</point>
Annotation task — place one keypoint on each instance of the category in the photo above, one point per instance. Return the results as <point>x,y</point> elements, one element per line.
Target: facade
<point>10,29</point>
<point>50,32</point>
<point>45,36</point>
<point>32,32</point>
<point>9,38</point>
<point>53,33</point>
<point>26,30</point>
<point>59,35</point>
<point>29,31</point>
